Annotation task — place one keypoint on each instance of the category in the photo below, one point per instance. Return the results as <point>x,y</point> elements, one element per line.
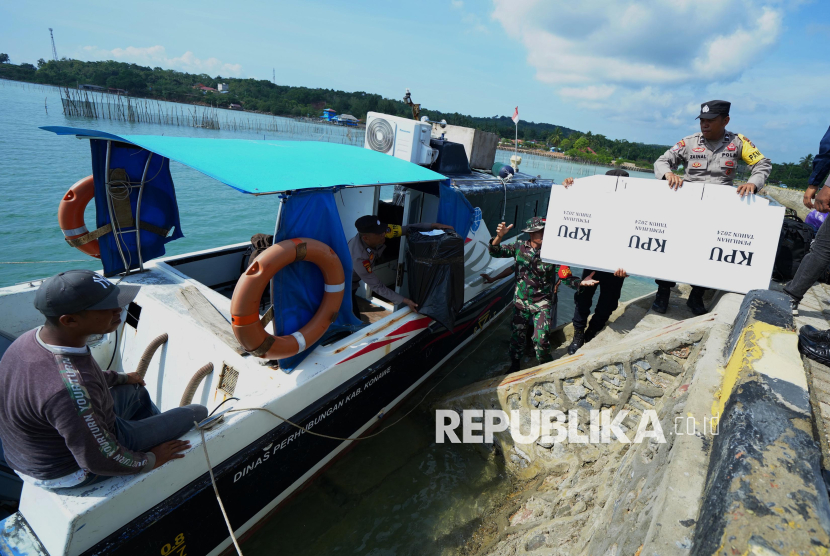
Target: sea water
<point>397,493</point>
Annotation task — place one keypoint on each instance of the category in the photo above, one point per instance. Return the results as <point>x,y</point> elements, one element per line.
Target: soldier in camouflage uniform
<point>536,284</point>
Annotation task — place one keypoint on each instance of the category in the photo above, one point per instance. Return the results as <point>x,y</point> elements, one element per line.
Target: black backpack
<point>793,246</point>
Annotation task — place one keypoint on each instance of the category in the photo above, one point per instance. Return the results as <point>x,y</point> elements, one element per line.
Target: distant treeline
<point>794,175</point>
<point>263,96</point>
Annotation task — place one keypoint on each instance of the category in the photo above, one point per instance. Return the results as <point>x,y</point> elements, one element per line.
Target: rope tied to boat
<point>201,430</point>
<point>216,491</point>
<point>107,228</point>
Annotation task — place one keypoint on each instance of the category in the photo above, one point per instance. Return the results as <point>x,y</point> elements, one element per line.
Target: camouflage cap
<point>535,224</point>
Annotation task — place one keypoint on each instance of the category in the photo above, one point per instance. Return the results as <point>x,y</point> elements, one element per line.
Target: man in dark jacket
<point>814,343</point>
<point>818,259</point>
<point>610,289</point>
<point>63,420</point>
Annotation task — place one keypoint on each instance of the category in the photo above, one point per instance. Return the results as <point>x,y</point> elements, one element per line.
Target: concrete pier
<point>739,471</point>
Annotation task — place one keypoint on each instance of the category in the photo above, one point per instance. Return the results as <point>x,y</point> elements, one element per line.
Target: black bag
<point>435,266</point>
<point>793,246</point>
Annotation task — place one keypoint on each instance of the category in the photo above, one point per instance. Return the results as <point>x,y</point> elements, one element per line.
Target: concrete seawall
<point>764,491</point>
<point>790,198</point>
<point>739,471</point>
<point>565,158</point>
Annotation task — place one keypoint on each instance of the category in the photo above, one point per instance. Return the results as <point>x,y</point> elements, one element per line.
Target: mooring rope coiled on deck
<point>405,415</point>
<point>149,351</point>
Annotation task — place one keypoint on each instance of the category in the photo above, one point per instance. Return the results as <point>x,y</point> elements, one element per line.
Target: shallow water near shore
<point>398,493</point>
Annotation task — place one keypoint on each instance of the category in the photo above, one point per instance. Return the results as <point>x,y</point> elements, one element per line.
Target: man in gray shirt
<point>63,420</point>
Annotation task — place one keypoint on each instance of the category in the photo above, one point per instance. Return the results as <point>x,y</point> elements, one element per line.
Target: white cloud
<point>726,56</point>
<point>644,66</point>
<point>654,42</point>
<point>157,56</point>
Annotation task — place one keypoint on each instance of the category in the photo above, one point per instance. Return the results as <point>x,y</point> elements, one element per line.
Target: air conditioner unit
<point>400,137</point>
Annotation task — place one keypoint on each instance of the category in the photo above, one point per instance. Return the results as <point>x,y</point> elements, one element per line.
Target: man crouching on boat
<point>64,421</point>
<point>366,249</point>
<point>536,284</point>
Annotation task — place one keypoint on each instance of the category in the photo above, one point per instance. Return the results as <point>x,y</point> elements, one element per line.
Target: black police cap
<point>714,108</point>
<point>369,224</point>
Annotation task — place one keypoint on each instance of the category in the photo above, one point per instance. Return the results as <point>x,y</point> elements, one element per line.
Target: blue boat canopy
<point>311,171</point>
<point>262,167</point>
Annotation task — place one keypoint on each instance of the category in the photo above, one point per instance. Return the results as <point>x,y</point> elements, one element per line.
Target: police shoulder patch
<point>749,152</point>
<point>680,144</point>
<point>367,264</point>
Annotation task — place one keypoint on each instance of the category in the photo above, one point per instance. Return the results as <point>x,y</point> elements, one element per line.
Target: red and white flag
<point>516,116</point>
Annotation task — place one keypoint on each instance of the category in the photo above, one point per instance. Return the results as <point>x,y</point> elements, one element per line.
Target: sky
<point>635,70</point>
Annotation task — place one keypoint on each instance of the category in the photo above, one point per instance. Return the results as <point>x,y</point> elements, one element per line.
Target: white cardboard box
<point>701,234</point>
<point>480,146</point>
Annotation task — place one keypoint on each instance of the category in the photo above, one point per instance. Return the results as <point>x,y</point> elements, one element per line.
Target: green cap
<point>535,224</point>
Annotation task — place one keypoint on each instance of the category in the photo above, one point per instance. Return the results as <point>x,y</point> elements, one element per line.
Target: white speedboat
<point>341,386</point>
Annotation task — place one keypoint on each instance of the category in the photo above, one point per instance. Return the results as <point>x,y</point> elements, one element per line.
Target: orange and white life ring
<point>245,320</point>
<point>71,215</point>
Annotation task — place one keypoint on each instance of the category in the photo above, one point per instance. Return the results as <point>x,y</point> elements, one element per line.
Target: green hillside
<point>282,100</point>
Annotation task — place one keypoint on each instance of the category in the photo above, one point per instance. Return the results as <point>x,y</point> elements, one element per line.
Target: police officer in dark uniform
<point>711,156</point>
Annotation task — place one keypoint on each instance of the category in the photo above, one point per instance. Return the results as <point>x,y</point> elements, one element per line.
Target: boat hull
<point>256,480</point>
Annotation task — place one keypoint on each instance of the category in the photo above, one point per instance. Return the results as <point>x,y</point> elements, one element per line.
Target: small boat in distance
<point>342,386</point>
<point>330,116</point>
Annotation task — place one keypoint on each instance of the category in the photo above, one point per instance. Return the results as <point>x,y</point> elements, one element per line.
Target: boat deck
<point>371,313</point>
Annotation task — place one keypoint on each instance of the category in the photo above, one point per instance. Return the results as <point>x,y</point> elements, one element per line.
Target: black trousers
<point>610,288</point>
<point>813,264</point>
<point>699,290</point>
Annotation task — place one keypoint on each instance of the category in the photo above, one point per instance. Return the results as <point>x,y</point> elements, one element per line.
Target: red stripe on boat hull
<point>411,326</point>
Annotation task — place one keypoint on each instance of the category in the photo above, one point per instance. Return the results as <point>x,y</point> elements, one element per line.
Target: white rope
<point>216,491</point>
<point>210,467</point>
